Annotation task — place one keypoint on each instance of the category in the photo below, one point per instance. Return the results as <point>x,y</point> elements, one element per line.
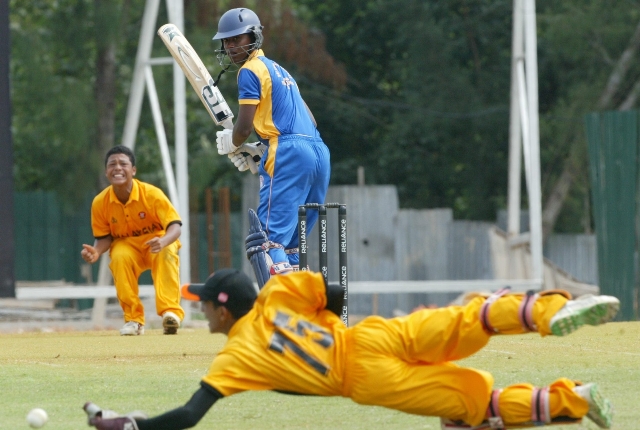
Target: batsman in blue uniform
<point>294,164</point>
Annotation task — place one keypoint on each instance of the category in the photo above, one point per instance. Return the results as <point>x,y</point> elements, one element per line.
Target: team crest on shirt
<point>261,181</point>
<point>287,82</point>
<point>142,215</point>
<point>113,220</point>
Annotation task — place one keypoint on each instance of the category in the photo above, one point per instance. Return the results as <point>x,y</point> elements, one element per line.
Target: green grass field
<point>59,372</point>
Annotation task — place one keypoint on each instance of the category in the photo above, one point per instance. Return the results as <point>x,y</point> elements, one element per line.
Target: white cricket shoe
<point>132,328</point>
<point>587,309</point>
<point>600,408</point>
<point>170,322</point>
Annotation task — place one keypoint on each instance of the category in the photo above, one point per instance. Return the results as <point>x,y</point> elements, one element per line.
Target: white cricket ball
<point>37,418</point>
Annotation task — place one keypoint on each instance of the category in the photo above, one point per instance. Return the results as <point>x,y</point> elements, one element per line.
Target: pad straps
<point>525,311</point>
<point>257,245</point>
<point>493,411</point>
<point>540,414</point>
<point>484,310</point>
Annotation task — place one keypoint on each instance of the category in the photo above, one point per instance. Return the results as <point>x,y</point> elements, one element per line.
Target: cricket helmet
<point>233,23</point>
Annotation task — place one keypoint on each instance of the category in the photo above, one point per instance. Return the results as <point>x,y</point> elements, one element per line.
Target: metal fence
<point>613,139</point>
<point>385,244</point>
<point>576,254</point>
<point>49,240</point>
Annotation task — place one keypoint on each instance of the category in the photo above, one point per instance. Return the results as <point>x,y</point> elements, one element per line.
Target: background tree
<point>416,92</point>
<point>428,98</point>
<point>54,112</point>
<point>443,68</point>
<point>589,62</point>
<point>109,16</point>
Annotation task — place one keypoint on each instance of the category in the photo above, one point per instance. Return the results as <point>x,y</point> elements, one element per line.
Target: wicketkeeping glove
<point>224,142</point>
<point>121,423</point>
<point>104,419</point>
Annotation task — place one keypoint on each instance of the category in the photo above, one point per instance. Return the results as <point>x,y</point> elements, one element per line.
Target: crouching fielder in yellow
<point>139,226</point>
<point>290,338</point>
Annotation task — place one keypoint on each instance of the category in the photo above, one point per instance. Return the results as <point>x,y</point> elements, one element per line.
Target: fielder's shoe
<point>588,309</point>
<point>446,424</point>
<point>170,322</point>
<point>600,409</point>
<point>132,328</point>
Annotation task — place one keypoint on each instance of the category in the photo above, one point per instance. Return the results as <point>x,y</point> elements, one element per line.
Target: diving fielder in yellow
<point>290,338</point>
<point>139,226</point>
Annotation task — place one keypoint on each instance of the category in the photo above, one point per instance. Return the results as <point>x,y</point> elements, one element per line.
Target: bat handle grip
<point>228,124</point>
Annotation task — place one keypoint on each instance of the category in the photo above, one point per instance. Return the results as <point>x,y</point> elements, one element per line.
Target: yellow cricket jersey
<point>287,342</point>
<point>148,212</point>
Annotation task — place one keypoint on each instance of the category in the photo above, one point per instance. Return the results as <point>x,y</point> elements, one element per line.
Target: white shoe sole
<point>600,409</point>
<point>593,310</point>
<point>129,332</point>
<point>170,323</point>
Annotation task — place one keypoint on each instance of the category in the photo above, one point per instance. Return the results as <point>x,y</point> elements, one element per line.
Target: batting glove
<point>121,423</point>
<point>247,156</point>
<point>240,160</point>
<point>224,142</point>
<point>255,149</point>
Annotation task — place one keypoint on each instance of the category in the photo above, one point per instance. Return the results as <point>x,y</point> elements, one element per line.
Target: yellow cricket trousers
<point>405,363</point>
<point>129,258</point>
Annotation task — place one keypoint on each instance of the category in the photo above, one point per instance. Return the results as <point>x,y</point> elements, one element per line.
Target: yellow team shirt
<point>288,342</point>
<point>147,213</point>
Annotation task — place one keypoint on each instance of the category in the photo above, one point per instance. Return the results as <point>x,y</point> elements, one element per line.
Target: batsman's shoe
<point>132,328</point>
<point>588,309</point>
<point>170,322</point>
<point>600,408</point>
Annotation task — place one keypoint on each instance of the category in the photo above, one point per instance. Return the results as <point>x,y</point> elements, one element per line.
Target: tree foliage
<point>428,98</point>
<point>417,92</point>
<point>441,69</point>
<point>52,97</point>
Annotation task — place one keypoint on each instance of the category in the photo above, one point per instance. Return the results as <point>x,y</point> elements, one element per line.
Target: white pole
<point>176,16</point>
<point>178,194</point>
<point>137,83</point>
<point>515,148</point>
<point>535,198</point>
<point>98,313</point>
<point>524,122</point>
<point>162,137</point>
<point>132,120</point>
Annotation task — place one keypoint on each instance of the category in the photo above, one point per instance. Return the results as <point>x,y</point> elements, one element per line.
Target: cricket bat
<point>197,74</point>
